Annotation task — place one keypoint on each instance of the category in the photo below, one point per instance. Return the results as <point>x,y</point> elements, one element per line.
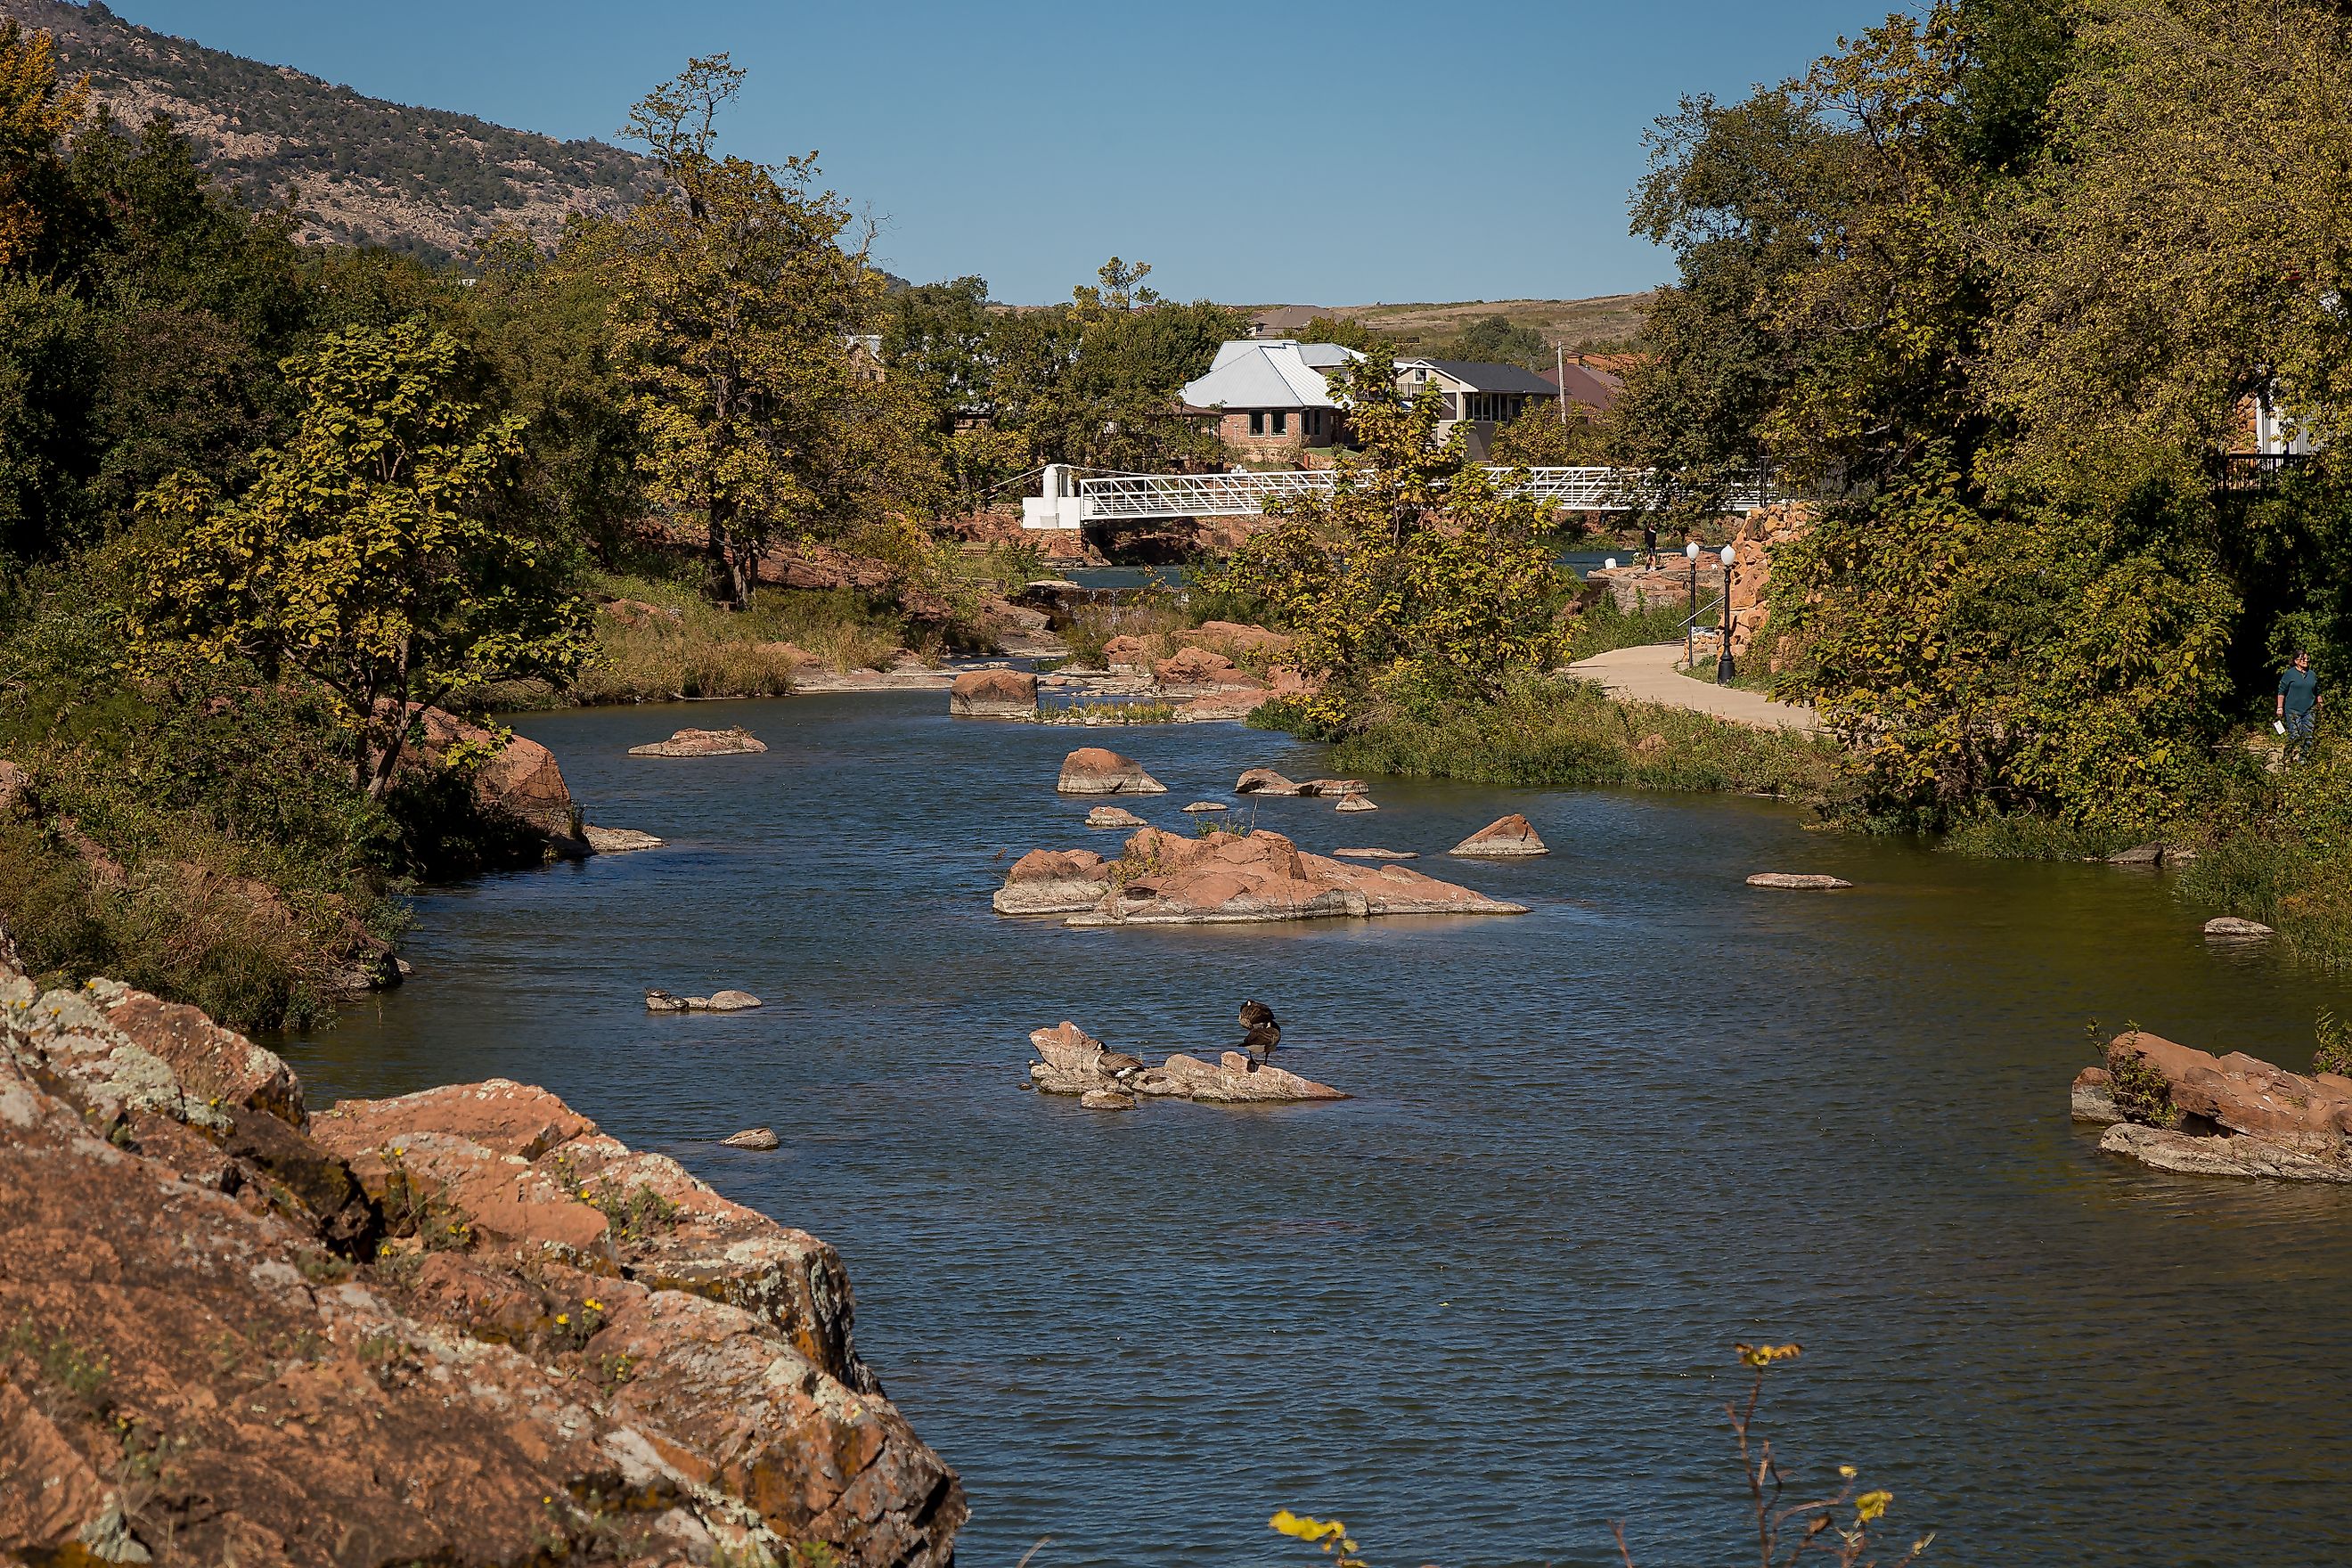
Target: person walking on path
<point>2298,706</point>
<point>1650,545</point>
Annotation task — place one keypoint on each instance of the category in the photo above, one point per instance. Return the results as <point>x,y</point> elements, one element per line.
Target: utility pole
<point>1560,358</point>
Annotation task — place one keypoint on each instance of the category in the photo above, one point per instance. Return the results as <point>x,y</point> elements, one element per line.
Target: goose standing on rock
<point>1265,1033</point>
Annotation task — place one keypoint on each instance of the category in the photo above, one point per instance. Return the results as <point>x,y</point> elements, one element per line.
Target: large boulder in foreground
<point>1095,770</point>
<point>460,1326</point>
<point>1229,878</point>
<point>1071,1061</point>
<point>1503,838</point>
<point>734,742</point>
<point>2180,1108</point>
<point>993,694</point>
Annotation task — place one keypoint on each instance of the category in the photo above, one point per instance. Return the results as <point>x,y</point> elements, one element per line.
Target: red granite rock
<point>457,1326</point>
<point>1094,770</point>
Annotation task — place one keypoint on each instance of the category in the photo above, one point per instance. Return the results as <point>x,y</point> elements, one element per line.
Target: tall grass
<point>1605,628</point>
<point>689,647</point>
<point>1559,733</point>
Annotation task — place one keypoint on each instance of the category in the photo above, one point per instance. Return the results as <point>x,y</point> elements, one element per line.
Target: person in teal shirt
<point>2298,706</point>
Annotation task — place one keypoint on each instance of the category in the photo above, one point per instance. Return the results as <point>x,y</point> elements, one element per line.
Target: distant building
<point>1273,398</point>
<point>1478,397</point>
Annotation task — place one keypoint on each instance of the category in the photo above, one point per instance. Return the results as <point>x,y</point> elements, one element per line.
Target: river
<point>1488,1306</point>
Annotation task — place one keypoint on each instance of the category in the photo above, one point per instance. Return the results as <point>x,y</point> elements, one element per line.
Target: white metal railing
<point>1244,494</point>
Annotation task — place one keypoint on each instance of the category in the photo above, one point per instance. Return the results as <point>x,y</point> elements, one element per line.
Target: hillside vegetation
<point>1598,324</point>
<point>421,181</point>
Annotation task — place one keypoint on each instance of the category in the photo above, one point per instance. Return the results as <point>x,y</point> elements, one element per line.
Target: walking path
<point>1649,675</point>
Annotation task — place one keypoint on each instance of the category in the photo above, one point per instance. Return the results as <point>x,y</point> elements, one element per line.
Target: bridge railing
<point>1244,494</point>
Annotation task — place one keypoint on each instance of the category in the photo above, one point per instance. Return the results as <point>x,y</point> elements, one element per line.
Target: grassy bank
<point>201,841</point>
<point>1548,733</point>
<point>660,641</point>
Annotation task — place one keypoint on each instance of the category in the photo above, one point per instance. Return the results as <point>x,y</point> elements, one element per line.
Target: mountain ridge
<point>428,182</point>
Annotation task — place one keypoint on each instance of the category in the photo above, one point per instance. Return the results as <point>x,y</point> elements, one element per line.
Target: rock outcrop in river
<point>993,694</point>
<point>2180,1108</point>
<point>1224,879</point>
<point>735,742</point>
<point>1503,838</point>
<point>461,1326</point>
<point>1095,770</point>
<point>1071,1061</point>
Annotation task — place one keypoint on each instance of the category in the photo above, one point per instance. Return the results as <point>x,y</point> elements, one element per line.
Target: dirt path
<point>1648,675</point>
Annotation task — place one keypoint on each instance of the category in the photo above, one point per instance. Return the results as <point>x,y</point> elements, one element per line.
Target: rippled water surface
<point>1488,1306</point>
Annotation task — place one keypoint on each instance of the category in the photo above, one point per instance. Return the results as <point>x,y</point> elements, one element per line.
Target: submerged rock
<point>993,694</point>
<point>618,840</point>
<point>1378,854</point>
<point>737,741</point>
<point>756,1138</point>
<point>516,1338</point>
<point>1094,770</point>
<point>1356,803</point>
<point>1200,808</point>
<point>1796,879</point>
<point>1229,878</point>
<point>1054,882</point>
<point>2137,855</point>
<point>1113,817</point>
<point>1508,836</point>
<point>1071,1061</point>
<point>716,1002</point>
<point>2234,1115</point>
<point>2231,928</point>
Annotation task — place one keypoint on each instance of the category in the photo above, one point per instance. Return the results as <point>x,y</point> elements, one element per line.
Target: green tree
<point>1346,330</point>
<point>370,556</point>
<point>1416,580</point>
<point>37,110</point>
<point>734,312</point>
<point>1498,339</point>
<point>543,324</point>
<point>1095,382</point>
<point>940,340</point>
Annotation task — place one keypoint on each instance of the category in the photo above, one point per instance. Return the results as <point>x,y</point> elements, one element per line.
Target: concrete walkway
<point>1649,675</point>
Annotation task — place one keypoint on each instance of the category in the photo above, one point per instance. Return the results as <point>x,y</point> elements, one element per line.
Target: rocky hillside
<point>462,1326</point>
<point>363,171</point>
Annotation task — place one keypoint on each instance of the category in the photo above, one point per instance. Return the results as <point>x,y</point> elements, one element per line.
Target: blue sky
<point>1240,148</point>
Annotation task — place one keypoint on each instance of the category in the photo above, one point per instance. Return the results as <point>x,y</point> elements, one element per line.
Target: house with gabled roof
<point>1478,398</point>
<point>1274,398</point>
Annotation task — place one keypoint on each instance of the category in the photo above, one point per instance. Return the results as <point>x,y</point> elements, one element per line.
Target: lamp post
<point>1723,670</point>
<point>1690,549</point>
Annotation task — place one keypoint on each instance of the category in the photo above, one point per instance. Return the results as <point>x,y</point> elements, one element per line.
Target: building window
<point>1257,421</point>
<point>1282,421</point>
<point>1311,422</point>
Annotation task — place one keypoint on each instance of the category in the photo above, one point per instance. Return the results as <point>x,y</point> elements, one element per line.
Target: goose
<point>1265,1033</point>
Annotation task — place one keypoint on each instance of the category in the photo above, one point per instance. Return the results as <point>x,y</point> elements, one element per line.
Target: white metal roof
<point>1265,373</point>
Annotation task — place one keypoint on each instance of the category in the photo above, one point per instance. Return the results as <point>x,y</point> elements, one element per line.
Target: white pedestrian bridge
<point>1070,499</point>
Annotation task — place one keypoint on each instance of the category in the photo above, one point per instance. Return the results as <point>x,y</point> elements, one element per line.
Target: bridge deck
<point>1106,497</point>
